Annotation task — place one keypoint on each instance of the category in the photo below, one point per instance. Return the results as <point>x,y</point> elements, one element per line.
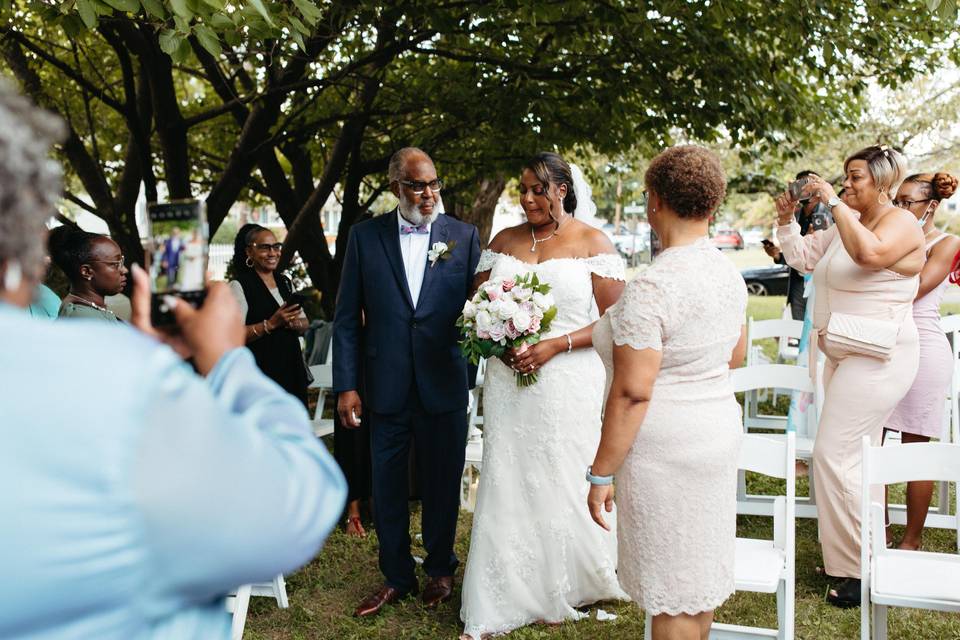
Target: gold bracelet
<point>254,328</point>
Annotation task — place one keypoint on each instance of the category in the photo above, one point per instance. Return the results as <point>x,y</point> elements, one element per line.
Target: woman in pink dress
<point>919,416</point>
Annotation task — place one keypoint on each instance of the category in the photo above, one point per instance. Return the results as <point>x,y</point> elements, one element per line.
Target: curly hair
<point>689,179</point>
<point>550,168</point>
<point>30,181</point>
<point>939,185</point>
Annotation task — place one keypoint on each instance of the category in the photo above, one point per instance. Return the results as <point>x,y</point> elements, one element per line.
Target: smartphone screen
<point>177,254</point>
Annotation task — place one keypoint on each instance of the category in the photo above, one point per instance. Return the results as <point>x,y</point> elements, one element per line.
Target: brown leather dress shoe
<point>375,602</point>
<point>439,589</point>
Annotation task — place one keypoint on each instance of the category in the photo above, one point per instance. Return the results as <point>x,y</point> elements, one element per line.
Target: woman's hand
<point>285,316</point>
<point>785,208</point>
<point>819,190</point>
<point>599,499</point>
<point>534,356</point>
<point>205,334</point>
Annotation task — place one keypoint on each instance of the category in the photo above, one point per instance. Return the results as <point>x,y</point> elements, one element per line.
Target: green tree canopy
<point>289,101</point>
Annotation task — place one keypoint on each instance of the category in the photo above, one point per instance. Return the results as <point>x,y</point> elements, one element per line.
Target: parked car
<point>767,281</point>
<point>727,239</point>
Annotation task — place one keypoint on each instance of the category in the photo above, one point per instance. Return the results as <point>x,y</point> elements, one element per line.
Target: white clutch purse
<point>858,335</point>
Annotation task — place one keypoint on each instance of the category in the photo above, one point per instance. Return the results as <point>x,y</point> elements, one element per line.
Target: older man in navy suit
<point>405,277</point>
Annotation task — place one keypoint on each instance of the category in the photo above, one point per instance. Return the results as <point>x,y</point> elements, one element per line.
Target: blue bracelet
<point>598,480</point>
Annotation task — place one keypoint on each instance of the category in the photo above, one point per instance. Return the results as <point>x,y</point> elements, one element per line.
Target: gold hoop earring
<point>882,198</point>
<point>249,262</point>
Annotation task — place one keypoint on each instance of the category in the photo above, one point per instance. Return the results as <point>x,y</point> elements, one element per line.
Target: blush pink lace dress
<point>676,490</point>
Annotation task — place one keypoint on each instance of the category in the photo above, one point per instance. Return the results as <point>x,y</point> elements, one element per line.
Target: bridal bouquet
<point>506,314</point>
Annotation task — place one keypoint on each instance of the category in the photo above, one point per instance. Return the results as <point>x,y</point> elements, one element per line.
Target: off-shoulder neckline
<point>534,264</point>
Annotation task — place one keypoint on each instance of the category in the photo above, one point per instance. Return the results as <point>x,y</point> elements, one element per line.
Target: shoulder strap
<point>934,242</point>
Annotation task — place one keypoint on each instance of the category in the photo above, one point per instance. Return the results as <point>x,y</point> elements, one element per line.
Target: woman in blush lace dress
<point>672,427</point>
<point>534,554</point>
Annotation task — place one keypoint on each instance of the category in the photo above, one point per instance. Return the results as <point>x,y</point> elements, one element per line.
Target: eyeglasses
<point>906,204</point>
<point>276,246</point>
<point>116,264</point>
<point>419,187</point>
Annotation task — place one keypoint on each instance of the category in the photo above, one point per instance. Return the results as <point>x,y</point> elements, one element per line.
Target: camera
<point>821,218</point>
<point>796,189</point>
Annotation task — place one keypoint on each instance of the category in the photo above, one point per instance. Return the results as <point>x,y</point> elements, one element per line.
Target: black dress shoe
<point>373,603</point>
<point>846,594</point>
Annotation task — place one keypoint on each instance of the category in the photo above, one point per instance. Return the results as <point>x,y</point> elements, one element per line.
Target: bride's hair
<point>552,169</point>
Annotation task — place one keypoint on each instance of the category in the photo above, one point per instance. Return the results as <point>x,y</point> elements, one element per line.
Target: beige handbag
<point>858,335</point>
<point>851,334</point>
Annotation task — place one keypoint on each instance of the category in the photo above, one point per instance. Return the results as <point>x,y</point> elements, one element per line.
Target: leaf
<point>208,39</point>
<point>154,8</point>
<point>182,52</point>
<point>87,14</point>
<point>309,11</point>
<point>298,38</point>
<point>262,10</point>
<point>948,10</point>
<point>299,26</point>
<point>216,4</point>
<point>221,22</point>
<point>933,4</point>
<point>72,26</point>
<point>181,9</point>
<point>130,6</point>
<point>169,41</point>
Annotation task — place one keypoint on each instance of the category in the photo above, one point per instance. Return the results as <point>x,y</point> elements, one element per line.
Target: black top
<point>277,353</point>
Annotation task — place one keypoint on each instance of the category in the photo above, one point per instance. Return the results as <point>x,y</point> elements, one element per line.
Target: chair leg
<point>280,591</point>
<point>782,611</point>
<point>240,606</point>
<point>879,621</point>
<point>647,626</point>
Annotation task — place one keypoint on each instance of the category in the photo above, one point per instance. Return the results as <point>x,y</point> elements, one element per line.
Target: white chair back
<point>767,376</point>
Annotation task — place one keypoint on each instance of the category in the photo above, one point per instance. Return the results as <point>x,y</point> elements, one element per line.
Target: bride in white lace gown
<point>534,553</point>
<point>672,427</point>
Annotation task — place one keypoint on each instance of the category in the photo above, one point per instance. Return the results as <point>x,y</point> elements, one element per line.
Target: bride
<point>535,555</point>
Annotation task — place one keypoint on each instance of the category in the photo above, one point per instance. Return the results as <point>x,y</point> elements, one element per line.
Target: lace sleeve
<point>638,317</point>
<point>607,265</point>
<point>487,260</point>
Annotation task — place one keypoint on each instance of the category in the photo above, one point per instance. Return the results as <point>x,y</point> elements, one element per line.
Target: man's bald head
<point>397,169</point>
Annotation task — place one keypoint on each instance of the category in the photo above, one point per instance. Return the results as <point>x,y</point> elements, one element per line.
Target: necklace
<point>927,234</point>
<point>93,304</point>
<point>536,241</point>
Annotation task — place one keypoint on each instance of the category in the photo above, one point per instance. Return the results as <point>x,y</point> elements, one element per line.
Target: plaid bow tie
<point>420,229</point>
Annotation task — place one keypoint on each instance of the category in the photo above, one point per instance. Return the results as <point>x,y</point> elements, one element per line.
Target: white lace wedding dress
<point>535,554</point>
<point>676,490</point>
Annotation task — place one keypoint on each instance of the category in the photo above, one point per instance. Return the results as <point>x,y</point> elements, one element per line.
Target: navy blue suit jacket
<point>396,345</point>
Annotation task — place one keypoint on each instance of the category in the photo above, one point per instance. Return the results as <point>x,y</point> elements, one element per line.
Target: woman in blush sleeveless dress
<point>919,416</point>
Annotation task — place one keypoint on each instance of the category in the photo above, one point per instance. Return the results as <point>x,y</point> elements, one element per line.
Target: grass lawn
<point>324,593</point>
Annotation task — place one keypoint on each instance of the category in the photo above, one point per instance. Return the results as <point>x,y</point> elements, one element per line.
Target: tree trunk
<point>484,206</point>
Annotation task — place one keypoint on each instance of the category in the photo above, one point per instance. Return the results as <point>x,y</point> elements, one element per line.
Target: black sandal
<point>846,594</point>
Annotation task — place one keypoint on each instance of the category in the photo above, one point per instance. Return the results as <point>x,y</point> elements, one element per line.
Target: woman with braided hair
<point>919,415</point>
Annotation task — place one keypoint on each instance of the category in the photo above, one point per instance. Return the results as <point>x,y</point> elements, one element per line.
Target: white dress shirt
<point>413,248</point>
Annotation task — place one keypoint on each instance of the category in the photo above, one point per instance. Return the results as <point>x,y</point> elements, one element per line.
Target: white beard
<point>412,214</point>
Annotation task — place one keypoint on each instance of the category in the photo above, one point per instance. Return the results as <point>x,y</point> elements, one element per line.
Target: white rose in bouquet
<point>498,331</point>
<point>494,308</point>
<point>543,300</point>
<point>484,320</point>
<point>521,294</point>
<point>469,310</point>
<point>522,320</point>
<point>507,308</point>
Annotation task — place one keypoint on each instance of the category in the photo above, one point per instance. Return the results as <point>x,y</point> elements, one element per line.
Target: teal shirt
<point>46,304</point>
<point>136,494</point>
<point>74,310</point>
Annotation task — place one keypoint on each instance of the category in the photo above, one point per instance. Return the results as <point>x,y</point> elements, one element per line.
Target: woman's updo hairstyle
<point>689,179</point>
<point>939,186</point>
<point>552,169</point>
<point>243,240</point>
<point>886,165</point>
<point>70,248</point>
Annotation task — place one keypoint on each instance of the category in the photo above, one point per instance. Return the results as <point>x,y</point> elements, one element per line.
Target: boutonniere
<point>440,251</point>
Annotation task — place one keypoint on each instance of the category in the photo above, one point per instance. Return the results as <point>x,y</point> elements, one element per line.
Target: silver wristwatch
<point>833,201</point>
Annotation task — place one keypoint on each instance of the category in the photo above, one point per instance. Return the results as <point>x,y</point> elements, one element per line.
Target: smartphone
<point>298,298</point>
<point>796,189</point>
<point>177,253</point>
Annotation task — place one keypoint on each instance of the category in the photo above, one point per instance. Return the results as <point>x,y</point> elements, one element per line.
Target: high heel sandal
<point>354,527</point>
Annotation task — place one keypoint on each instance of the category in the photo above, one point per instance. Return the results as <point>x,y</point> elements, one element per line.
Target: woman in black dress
<point>274,324</point>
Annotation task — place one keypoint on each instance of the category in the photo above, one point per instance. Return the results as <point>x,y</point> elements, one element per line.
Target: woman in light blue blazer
<point>137,493</point>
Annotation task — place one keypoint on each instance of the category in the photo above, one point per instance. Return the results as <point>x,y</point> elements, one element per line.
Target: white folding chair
<point>783,330</point>
<point>951,327</point>
<point>895,578</point>
<point>473,460</point>
<point>765,566</point>
<point>322,380</point>
<point>781,376</point>
<point>239,603</point>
